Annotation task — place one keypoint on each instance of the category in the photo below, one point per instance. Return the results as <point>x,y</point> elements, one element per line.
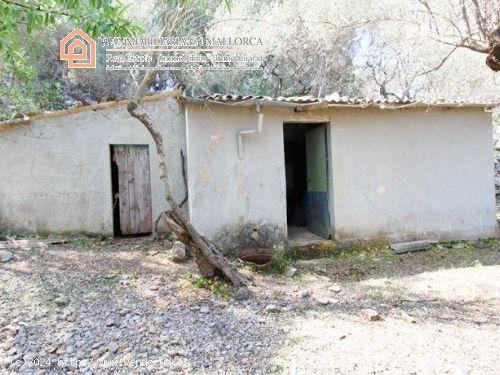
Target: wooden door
<point>317,212</point>
<point>134,188</point>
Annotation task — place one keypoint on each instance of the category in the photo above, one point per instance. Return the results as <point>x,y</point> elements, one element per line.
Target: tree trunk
<point>209,259</point>
<point>493,59</point>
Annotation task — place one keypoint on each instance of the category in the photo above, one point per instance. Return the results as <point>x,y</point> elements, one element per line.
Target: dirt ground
<point>121,306</point>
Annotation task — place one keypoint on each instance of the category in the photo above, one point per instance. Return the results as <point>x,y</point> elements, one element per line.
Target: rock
<point>71,318</point>
<point>179,253</point>
<point>407,317</point>
<point>305,294</point>
<point>12,351</point>
<point>204,310</point>
<point>61,301</point>
<point>320,270</point>
<point>95,353</point>
<point>370,315</point>
<point>362,256</point>
<point>324,301</point>
<point>299,306</point>
<point>83,363</point>
<point>335,288</point>
<point>269,309</point>
<point>81,343</point>
<point>60,350</point>
<point>110,322</point>
<point>176,353</point>
<point>113,347</point>
<point>242,294</point>
<point>11,330</point>
<point>290,271</point>
<point>5,256</point>
<point>405,247</point>
<point>51,349</point>
<point>29,357</point>
<point>260,320</point>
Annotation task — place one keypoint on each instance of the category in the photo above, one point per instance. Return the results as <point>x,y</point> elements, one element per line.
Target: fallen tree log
<point>209,258</point>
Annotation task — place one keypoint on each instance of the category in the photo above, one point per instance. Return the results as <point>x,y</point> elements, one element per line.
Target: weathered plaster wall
<point>412,173</point>
<point>237,202</point>
<point>393,174</point>
<point>55,174</point>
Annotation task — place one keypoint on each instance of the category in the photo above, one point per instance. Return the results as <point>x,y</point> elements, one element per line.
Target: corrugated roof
<point>338,99</point>
<point>306,102</point>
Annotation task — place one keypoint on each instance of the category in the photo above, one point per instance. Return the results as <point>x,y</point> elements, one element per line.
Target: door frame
<point>329,167</point>
<point>115,204</point>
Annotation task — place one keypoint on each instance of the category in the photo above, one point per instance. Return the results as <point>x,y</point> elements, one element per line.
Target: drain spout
<point>260,120</point>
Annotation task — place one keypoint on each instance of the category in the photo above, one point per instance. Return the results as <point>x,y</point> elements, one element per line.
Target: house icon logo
<point>78,49</point>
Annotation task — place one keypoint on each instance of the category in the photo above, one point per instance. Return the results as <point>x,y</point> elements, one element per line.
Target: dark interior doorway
<point>116,195</point>
<point>307,177</point>
<point>296,174</point>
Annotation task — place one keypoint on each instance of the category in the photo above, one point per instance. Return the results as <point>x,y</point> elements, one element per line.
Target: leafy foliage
<point>31,78</point>
<point>19,16</point>
<point>354,47</point>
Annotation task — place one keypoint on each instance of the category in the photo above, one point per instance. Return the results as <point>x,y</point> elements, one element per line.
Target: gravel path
<point>98,307</point>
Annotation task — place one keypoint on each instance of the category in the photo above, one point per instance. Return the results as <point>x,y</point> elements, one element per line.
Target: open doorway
<point>307,178</point>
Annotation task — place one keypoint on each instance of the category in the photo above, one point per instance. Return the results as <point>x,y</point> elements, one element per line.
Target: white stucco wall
<point>231,198</point>
<point>394,174</point>
<point>55,173</point>
<point>412,173</point>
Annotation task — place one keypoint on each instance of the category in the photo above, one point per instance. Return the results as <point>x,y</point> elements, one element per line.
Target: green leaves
<point>94,16</point>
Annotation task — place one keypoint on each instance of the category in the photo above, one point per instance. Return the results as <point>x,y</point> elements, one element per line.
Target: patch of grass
<point>244,266</point>
<point>135,274</point>
<point>388,254</point>
<point>456,244</point>
<point>379,249</point>
<point>107,281</point>
<point>48,303</point>
<point>488,241</point>
<point>80,242</point>
<point>145,248</point>
<point>4,236</point>
<point>279,260</point>
<point>351,253</point>
<point>218,288</point>
<point>374,294</point>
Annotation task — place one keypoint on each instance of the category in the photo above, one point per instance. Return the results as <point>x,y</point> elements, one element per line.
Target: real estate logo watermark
<point>163,53</point>
<point>79,49</point>
<point>182,53</point>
